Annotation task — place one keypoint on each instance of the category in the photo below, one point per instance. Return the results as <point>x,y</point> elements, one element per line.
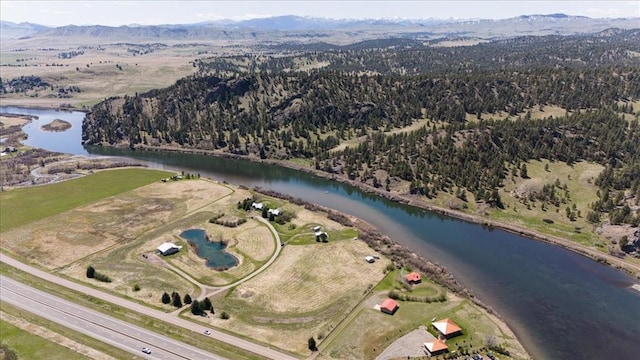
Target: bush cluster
<point>93,274</point>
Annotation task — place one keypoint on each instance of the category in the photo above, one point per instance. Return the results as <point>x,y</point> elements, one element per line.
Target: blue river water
<point>560,305</point>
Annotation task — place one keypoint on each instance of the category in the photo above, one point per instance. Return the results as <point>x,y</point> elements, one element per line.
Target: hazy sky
<point>114,13</point>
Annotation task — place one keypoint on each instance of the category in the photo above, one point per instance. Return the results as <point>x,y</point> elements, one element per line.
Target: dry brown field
<point>102,71</point>
<point>306,292</point>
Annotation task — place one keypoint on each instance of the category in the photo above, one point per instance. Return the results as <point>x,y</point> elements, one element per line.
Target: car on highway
<point>207,332</point>
<point>146,350</point>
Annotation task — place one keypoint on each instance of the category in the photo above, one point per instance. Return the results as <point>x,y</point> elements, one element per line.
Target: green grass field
<point>32,347</point>
<point>25,205</point>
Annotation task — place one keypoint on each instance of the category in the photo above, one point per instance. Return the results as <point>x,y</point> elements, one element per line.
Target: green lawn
<point>28,346</point>
<point>25,205</point>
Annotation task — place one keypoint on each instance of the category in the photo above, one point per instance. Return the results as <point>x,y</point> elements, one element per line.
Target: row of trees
<point>177,301</point>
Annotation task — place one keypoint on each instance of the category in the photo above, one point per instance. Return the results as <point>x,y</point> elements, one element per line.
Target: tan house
<point>447,328</point>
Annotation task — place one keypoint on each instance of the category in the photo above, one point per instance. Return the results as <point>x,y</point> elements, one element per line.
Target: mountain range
<point>308,29</point>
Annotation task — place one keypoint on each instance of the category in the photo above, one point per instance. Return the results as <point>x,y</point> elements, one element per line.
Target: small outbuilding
<point>435,347</point>
<point>447,328</point>
<point>389,306</point>
<point>321,236</point>
<point>275,212</point>
<point>413,278</point>
<point>168,248</point>
<point>316,229</point>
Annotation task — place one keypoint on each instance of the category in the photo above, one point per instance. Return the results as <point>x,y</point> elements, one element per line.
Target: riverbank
<point>404,257</point>
<point>413,200</point>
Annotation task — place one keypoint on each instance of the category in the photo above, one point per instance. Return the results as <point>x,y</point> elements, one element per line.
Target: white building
<point>257,206</point>
<point>168,248</point>
<point>275,212</point>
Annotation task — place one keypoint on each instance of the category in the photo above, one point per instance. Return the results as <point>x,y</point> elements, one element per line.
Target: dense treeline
<point>479,156</point>
<point>305,104</point>
<point>412,57</point>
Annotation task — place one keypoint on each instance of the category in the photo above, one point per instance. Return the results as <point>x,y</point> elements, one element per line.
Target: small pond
<point>212,251</point>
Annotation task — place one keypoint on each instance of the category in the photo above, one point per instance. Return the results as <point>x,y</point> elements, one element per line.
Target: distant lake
<point>68,141</point>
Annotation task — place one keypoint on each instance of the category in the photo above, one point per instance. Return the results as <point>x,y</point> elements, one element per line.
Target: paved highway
<point>105,328</point>
<point>135,307</point>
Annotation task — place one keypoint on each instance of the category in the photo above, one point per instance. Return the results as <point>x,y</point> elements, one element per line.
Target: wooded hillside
<point>475,105</point>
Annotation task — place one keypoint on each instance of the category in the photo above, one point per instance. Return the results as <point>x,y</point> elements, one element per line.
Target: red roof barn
<point>389,306</point>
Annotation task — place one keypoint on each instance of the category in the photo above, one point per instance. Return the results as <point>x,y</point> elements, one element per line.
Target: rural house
<point>413,278</point>
<point>168,248</point>
<point>447,328</point>
<point>389,306</point>
<point>257,206</point>
<point>435,347</point>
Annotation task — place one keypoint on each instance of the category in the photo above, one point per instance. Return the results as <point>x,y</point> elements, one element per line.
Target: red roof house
<point>389,306</point>
<point>414,278</point>
<point>447,328</point>
<point>436,347</point>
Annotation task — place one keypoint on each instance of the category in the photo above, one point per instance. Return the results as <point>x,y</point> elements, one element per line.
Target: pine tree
<point>195,308</point>
<point>206,304</point>
<point>176,300</point>
<point>166,299</point>
<point>91,272</point>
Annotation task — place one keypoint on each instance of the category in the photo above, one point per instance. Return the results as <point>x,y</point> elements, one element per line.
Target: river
<point>560,305</point>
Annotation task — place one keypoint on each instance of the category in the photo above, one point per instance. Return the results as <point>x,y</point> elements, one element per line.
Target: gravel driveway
<point>408,345</point>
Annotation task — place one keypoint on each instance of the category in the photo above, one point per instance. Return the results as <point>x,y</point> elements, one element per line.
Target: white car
<point>207,332</point>
<point>146,350</point>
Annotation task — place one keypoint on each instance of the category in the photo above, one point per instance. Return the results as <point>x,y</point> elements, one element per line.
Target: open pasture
<point>26,205</point>
<point>99,71</point>
<point>307,291</point>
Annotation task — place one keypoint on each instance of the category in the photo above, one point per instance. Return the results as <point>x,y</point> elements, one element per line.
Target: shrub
<point>312,344</point>
<point>136,287</point>
<point>224,315</point>
<point>93,274</point>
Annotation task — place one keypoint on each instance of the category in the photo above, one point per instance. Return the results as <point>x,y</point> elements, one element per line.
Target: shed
<point>447,328</point>
<point>389,306</point>
<point>168,248</point>
<point>435,347</point>
<point>275,212</point>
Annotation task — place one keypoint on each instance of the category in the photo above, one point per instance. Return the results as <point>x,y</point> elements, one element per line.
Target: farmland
<point>309,290</point>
